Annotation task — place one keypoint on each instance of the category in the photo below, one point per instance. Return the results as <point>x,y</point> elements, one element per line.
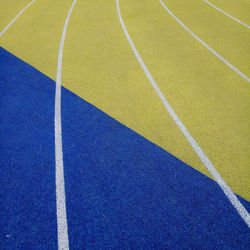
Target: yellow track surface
<point>9,10</point>
<point>99,66</point>
<point>224,35</point>
<point>238,9</point>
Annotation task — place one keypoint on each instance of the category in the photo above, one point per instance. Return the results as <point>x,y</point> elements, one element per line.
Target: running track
<point>118,121</point>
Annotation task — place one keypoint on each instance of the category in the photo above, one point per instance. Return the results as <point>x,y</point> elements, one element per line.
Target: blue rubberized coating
<point>122,191</point>
<point>27,169</point>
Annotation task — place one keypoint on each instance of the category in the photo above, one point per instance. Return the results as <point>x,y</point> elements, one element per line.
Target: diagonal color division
<point>226,189</point>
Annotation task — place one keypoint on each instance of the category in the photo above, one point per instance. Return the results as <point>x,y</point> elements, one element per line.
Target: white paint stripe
<point>226,189</point>
<point>235,19</point>
<point>62,228</point>
<point>19,14</point>
<point>203,43</point>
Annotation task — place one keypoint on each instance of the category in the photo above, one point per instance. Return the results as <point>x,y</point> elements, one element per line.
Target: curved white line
<point>203,43</point>
<point>19,14</point>
<point>226,189</point>
<point>235,19</point>
<point>62,228</point>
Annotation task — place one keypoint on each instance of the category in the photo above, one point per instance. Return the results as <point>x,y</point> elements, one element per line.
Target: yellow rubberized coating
<point>239,9</point>
<point>227,37</point>
<point>99,66</point>
<point>9,9</point>
<point>35,35</point>
<point>210,98</point>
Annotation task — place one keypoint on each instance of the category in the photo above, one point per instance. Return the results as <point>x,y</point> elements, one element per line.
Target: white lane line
<point>203,43</point>
<point>226,189</point>
<point>62,227</point>
<point>235,19</point>
<point>19,14</point>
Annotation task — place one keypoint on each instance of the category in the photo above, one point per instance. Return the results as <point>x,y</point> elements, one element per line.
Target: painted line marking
<point>226,189</point>
<point>19,14</point>
<point>203,43</point>
<point>62,227</point>
<point>235,19</point>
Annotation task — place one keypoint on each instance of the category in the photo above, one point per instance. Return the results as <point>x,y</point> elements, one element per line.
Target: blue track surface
<point>27,172</point>
<point>122,191</point>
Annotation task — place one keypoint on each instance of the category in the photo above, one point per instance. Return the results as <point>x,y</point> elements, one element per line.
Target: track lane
<point>222,34</point>
<point>210,99</point>
<point>103,71</point>
<point>37,44</point>
<point>9,9</point>
<point>101,160</point>
<point>16,17</point>
<point>225,13</point>
<point>208,77</point>
<point>239,9</point>
<point>225,188</point>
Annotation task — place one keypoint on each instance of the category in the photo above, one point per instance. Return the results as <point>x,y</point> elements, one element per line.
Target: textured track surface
<point>124,185</point>
<point>122,191</point>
